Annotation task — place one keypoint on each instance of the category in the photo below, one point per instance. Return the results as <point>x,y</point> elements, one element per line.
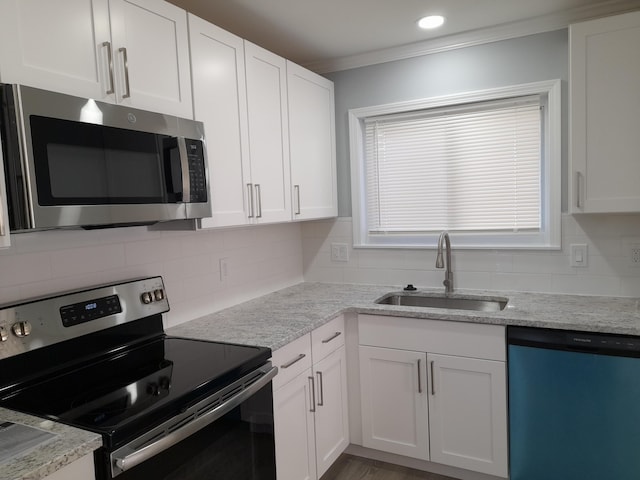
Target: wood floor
<point>349,467</point>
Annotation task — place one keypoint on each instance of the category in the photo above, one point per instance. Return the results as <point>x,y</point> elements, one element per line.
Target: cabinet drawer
<point>433,336</point>
<point>327,338</point>
<point>291,360</point>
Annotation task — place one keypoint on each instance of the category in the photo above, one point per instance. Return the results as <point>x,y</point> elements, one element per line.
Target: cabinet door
<point>220,102</point>
<point>294,429</point>
<point>468,413</point>
<point>312,144</point>
<point>332,421</point>
<point>268,134</point>
<point>151,56</point>
<point>81,469</point>
<point>605,114</point>
<point>394,401</point>
<point>56,45</point>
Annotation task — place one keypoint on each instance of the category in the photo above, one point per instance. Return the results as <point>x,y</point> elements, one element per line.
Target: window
<point>484,166</point>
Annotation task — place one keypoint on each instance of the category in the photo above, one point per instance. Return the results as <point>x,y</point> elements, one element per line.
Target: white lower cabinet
<point>81,469</point>
<point>394,401</point>
<point>294,429</point>
<point>467,413</point>
<point>310,403</point>
<point>435,390</point>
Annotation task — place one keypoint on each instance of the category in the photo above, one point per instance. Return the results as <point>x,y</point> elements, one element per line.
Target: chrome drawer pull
<point>312,394</point>
<point>335,335</point>
<point>295,360</point>
<point>433,380</point>
<point>321,399</point>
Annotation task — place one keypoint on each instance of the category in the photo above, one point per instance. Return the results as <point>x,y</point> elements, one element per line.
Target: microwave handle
<point>184,167</point>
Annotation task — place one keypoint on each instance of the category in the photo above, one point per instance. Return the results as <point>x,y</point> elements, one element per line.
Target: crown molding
<point>532,26</point>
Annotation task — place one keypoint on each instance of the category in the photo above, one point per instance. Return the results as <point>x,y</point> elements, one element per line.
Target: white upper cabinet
<point>269,192</point>
<point>151,56</point>
<point>312,144</point>
<point>133,52</point>
<point>220,102</point>
<point>605,114</point>
<point>53,45</point>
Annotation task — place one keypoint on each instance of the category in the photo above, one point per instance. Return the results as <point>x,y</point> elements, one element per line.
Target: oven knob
<point>146,298</point>
<point>4,336</point>
<point>158,294</point>
<point>21,329</point>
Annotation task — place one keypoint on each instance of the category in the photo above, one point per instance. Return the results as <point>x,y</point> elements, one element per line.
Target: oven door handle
<point>145,453</point>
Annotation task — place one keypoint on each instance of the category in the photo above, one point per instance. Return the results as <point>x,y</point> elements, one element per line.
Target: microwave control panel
<point>197,176</point>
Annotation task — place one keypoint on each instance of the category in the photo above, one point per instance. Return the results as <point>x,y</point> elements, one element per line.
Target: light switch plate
<point>579,257</point>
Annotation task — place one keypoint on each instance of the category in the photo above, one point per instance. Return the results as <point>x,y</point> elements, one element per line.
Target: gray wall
<point>509,62</point>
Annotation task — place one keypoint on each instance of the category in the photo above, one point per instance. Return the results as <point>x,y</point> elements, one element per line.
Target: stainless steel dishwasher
<point>574,405</point>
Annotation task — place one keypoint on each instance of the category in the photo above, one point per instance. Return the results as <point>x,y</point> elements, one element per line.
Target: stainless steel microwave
<point>77,162</point>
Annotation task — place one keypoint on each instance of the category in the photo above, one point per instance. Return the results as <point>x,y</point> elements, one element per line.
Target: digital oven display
<point>92,310</point>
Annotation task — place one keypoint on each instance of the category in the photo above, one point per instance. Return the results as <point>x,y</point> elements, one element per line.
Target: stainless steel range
<point>166,407</point>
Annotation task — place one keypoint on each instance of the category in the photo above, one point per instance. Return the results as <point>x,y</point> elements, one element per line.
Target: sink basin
<point>466,302</point>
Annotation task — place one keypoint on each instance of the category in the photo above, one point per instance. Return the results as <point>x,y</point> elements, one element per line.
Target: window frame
<point>549,236</point>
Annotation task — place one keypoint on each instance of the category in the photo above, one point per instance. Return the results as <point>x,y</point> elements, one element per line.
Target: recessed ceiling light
<point>432,21</point>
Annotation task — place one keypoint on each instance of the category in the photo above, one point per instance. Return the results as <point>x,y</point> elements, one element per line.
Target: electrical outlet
<point>339,252</point>
<point>634,254</point>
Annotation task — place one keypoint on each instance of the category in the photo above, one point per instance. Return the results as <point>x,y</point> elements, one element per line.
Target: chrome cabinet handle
<point>250,199</point>
<point>579,190</point>
<point>295,360</point>
<point>419,377</point>
<point>433,380</point>
<point>111,88</point>
<point>320,389</point>
<point>125,62</point>
<point>332,337</point>
<point>312,392</point>
<point>258,201</point>
<point>296,189</point>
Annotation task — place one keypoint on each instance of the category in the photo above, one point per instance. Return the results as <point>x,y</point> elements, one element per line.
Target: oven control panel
<point>36,323</point>
<point>90,310</point>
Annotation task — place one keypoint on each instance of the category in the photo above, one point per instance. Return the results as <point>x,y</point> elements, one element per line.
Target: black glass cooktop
<point>119,395</point>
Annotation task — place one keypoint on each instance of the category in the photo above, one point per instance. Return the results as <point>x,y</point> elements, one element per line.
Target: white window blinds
<point>471,168</point>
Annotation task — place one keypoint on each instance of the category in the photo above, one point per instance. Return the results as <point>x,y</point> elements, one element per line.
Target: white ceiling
<point>318,32</point>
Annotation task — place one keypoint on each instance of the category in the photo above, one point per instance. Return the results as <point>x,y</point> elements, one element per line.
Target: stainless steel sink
<point>463,302</point>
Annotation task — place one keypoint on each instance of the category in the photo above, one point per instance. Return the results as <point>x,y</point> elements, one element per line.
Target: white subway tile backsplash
<point>78,261</point>
<point>608,271</point>
<point>522,282</point>
<point>261,259</point>
<point>24,268</point>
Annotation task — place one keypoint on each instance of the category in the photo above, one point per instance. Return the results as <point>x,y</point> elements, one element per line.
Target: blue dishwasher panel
<point>573,415</point>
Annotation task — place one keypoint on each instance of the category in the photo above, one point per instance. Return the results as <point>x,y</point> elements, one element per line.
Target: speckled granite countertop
<point>280,317</point>
<point>69,445</point>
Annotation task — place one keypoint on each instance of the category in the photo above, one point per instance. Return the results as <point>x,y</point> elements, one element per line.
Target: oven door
<point>227,435</point>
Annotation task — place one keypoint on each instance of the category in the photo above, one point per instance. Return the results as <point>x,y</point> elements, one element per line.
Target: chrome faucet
<point>448,274</point>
